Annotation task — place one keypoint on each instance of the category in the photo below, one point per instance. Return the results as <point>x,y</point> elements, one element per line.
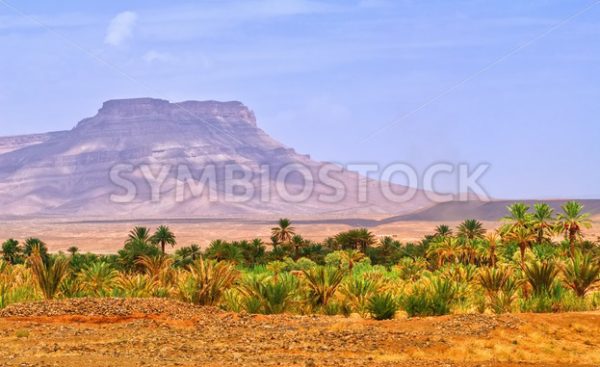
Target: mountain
<point>86,171</point>
<point>483,210</point>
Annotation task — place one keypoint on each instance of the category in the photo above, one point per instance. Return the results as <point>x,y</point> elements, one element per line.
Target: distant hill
<point>489,211</point>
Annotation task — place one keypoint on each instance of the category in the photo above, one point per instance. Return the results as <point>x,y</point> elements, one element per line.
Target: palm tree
<point>442,230</point>
<point>571,221</point>
<point>322,284</point>
<point>359,239</point>
<point>73,250</point>
<point>444,250</point>
<point>582,274</point>
<point>11,251</point>
<point>541,220</point>
<point>492,239</point>
<point>49,274</point>
<point>163,236</point>
<point>523,237</point>
<point>98,278</point>
<point>186,255</point>
<point>297,242</point>
<point>35,243</point>
<point>541,275</point>
<point>284,232</point>
<point>351,257</point>
<point>225,251</point>
<point>519,216</point>
<point>139,234</point>
<point>471,229</point>
<point>206,282</point>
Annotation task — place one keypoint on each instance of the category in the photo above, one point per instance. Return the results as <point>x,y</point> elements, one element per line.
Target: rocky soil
<point>151,332</point>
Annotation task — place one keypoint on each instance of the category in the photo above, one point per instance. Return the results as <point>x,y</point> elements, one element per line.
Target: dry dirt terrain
<point>89,332</point>
<point>107,237</point>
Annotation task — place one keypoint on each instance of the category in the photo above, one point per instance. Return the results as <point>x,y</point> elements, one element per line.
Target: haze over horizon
<point>322,76</point>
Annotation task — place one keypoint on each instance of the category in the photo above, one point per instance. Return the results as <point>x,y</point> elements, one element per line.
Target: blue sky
<point>322,76</point>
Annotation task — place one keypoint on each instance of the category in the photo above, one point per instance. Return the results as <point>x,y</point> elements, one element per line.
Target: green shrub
<point>382,306</point>
<point>432,299</point>
<point>275,295</point>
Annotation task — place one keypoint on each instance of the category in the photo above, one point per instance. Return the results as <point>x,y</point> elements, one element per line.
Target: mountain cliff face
<point>79,172</point>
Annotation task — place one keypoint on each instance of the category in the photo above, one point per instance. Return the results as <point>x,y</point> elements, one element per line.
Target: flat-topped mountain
<point>147,158</point>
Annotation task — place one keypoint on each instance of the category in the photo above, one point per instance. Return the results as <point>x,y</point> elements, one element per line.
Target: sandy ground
<point>211,338</point>
<point>108,236</point>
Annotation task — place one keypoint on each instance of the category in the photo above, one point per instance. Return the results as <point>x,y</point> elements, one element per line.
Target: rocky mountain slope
<point>69,173</point>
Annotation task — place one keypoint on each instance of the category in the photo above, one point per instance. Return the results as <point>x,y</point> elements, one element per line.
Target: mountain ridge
<point>69,172</point>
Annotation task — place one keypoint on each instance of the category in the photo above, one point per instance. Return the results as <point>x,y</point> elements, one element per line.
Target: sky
<point>514,84</point>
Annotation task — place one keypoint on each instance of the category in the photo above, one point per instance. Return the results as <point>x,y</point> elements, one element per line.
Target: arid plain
<point>104,237</point>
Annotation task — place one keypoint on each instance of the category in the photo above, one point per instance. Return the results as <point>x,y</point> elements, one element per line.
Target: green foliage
<point>206,281</point>
<point>471,229</point>
<point>271,295</point>
<point>163,236</point>
<point>187,255</point>
<point>433,298</point>
<point>357,239</point>
<point>383,306</point>
<point>48,274</point>
<point>517,266</point>
<point>322,283</point>
<point>32,244</point>
<point>582,274</point>
<point>500,286</point>
<point>541,276</point>
<point>98,279</point>
<point>12,251</point>
<point>134,249</point>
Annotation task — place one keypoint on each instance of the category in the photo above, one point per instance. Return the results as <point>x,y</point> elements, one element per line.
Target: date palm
<point>518,216</point>
<point>471,229</point>
<point>523,237</point>
<point>284,231</point>
<point>98,278</point>
<point>139,235</point>
<point>73,250</point>
<point>542,222</point>
<point>541,275</point>
<point>322,283</point>
<point>11,251</point>
<point>350,257</point>
<point>445,250</point>
<point>48,273</point>
<point>493,239</point>
<point>443,230</point>
<point>297,242</point>
<point>186,255</point>
<point>358,239</point>
<point>571,222</point>
<point>35,243</point>
<point>163,236</point>
<point>582,274</point>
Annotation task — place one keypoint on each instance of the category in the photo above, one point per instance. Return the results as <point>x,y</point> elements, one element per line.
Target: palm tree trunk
<point>572,242</point>
<point>522,248</point>
<point>162,246</point>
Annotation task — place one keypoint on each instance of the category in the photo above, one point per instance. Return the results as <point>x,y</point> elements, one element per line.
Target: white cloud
<point>120,28</point>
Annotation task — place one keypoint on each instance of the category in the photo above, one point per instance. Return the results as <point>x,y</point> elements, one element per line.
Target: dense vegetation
<point>518,267</point>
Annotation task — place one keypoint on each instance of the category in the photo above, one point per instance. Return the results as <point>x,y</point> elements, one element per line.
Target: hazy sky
<point>512,83</point>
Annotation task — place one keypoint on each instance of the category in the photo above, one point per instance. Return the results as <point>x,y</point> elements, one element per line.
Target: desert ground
<point>106,236</point>
<point>138,332</point>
